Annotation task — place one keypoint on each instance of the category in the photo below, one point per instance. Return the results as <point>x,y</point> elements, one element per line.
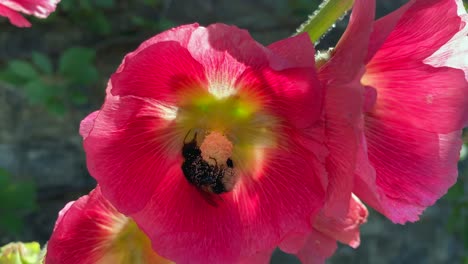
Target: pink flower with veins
<point>413,103</point>
<point>91,231</point>
<point>416,106</point>
<point>203,141</point>
<point>38,8</point>
<point>396,101</point>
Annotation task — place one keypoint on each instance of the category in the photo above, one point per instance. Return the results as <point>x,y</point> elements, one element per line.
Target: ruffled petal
<point>71,225</point>
<point>320,244</point>
<point>180,34</point>
<point>87,124</point>
<point>413,130</point>
<point>289,93</point>
<point>129,148</point>
<point>294,52</point>
<point>164,71</point>
<point>454,53</point>
<point>259,258</point>
<point>344,229</point>
<point>317,248</point>
<point>413,168</point>
<point>15,18</point>
<point>38,8</point>
<point>343,106</point>
<point>433,99</point>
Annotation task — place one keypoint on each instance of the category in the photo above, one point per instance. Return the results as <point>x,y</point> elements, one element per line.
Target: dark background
<point>53,74</point>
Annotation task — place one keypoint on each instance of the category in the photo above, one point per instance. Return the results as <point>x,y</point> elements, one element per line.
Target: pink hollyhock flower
<point>38,8</point>
<point>91,231</point>
<point>203,141</point>
<point>414,103</point>
<point>416,106</point>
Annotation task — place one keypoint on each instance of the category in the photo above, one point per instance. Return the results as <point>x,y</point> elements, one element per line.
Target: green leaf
<point>20,196</point>
<point>79,98</point>
<point>105,3</point>
<point>165,24</point>
<point>456,192</point>
<point>99,24</point>
<point>38,92</point>
<point>56,106</point>
<point>75,63</point>
<point>152,2</point>
<point>42,62</point>
<point>67,5</point>
<point>12,223</point>
<point>86,5</point>
<point>23,69</point>
<point>10,77</point>
<point>4,178</point>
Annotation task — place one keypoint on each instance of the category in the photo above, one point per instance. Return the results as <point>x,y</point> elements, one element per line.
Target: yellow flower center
<point>223,138</point>
<point>130,245</point>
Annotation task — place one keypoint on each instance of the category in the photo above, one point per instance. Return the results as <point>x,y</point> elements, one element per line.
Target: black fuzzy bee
<point>203,175</point>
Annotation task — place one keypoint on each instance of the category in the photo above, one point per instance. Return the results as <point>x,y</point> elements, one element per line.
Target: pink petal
<point>91,231</point>
<point>320,244</point>
<point>295,51</point>
<point>438,100</point>
<point>383,27</point>
<point>454,53</point>
<point>127,150</point>
<point>413,168</point>
<point>14,17</point>
<point>344,229</point>
<point>291,92</point>
<point>163,71</point>
<point>225,52</point>
<point>38,8</point>
<point>419,95</point>
<point>411,131</point>
<point>343,106</point>
<point>259,258</point>
<point>87,124</point>
<point>317,249</point>
<point>81,229</point>
<point>179,34</point>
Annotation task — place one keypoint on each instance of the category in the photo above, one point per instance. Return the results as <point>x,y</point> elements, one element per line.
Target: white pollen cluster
<point>216,149</point>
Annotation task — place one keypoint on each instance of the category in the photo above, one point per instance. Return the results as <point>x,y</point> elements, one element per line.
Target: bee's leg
<point>194,137</point>
<point>216,162</point>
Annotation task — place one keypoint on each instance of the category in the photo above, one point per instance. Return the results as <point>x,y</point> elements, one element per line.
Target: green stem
<point>324,17</point>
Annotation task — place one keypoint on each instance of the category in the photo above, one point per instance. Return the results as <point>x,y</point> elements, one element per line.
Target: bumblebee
<point>217,178</point>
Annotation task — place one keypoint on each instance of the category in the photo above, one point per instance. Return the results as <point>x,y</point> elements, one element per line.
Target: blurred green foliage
<point>90,13</point>
<point>98,16</point>
<point>17,199</point>
<point>303,8</point>
<point>61,84</point>
<point>56,88</point>
<point>457,196</point>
